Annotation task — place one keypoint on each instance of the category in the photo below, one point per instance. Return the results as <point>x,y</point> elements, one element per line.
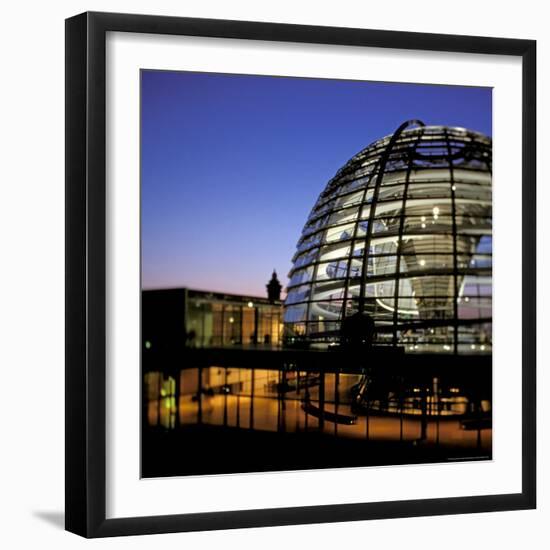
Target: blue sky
<point>231,165</point>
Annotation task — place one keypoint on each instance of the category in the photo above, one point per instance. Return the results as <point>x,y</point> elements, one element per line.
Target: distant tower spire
<point>274,288</point>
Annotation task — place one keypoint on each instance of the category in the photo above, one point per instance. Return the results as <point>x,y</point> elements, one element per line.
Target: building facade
<point>182,317</point>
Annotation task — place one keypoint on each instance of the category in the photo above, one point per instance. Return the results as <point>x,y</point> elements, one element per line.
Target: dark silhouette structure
<point>274,288</point>
<point>357,331</point>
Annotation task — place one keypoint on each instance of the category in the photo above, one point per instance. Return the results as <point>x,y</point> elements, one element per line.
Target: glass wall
<point>403,232</point>
<point>215,322</point>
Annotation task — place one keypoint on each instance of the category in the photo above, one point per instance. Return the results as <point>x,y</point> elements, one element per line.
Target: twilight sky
<point>231,165</point>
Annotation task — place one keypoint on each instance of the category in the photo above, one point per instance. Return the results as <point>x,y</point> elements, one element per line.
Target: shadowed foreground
<point>195,450</point>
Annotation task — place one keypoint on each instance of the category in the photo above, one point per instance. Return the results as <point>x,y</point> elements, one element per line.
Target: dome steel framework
<point>403,233</point>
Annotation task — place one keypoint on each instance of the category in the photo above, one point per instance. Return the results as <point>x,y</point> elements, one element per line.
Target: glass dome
<point>403,233</point>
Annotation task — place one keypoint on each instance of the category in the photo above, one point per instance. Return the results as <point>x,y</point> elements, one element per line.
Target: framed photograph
<point>300,274</point>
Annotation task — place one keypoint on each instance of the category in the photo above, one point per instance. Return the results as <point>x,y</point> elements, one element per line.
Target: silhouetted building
<point>403,233</point>
<point>274,288</point>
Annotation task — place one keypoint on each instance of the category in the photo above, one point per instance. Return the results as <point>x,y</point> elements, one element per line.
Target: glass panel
<point>332,270</point>
<point>334,251</point>
<point>295,314</point>
<point>301,276</point>
<point>342,216</point>
<point>338,233</point>
<point>306,258</point>
<point>298,294</point>
<point>381,265</point>
<point>329,310</point>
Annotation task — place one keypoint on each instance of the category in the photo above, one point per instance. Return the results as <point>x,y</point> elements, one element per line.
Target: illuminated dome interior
<point>403,232</point>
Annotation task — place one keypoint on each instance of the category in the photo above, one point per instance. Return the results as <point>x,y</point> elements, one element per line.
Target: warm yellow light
<point>250,304</point>
<point>422,262</point>
<point>436,210</point>
<point>231,320</point>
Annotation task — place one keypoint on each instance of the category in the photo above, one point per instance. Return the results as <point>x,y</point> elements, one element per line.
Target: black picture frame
<point>86,268</point>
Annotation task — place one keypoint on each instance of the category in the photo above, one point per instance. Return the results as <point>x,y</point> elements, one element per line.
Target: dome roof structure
<point>402,233</point>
